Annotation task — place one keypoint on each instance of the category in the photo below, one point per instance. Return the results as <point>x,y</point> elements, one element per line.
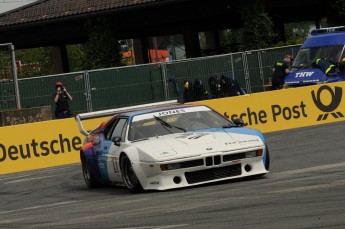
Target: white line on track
<point>311,169</point>
<point>29,179</point>
<point>68,167</point>
<point>38,207</point>
<point>14,177</point>
<point>157,227</point>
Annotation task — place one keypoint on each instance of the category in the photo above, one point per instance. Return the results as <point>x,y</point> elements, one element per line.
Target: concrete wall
<point>27,115</point>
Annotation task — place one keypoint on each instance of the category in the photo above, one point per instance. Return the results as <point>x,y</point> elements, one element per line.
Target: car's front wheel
<point>90,180</point>
<point>267,161</point>
<point>129,177</point>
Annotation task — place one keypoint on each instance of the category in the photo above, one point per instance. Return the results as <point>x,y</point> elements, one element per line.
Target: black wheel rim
<point>86,172</point>
<point>129,175</point>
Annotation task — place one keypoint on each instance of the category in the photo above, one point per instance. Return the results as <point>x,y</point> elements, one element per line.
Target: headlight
<point>255,153</point>
<point>182,165</point>
<point>250,154</point>
<point>171,166</point>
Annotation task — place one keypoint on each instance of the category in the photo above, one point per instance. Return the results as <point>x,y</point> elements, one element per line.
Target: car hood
<point>190,144</point>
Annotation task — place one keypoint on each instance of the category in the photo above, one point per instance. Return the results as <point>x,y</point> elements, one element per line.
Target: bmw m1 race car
<point>170,147</point>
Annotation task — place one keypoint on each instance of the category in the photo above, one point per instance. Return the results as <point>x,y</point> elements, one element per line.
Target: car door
<point>101,149</point>
<point>109,150</point>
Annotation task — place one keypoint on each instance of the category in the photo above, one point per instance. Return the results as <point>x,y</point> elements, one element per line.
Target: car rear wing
<point>104,113</point>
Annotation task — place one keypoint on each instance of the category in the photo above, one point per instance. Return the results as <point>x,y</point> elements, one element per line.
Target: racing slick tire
<point>90,180</point>
<point>130,179</point>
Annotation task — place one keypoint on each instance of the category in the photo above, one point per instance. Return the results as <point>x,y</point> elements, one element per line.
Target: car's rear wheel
<point>90,180</point>
<point>129,177</point>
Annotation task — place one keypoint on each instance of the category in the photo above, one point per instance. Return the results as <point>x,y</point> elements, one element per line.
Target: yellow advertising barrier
<point>57,142</point>
<point>41,145</point>
<point>285,109</point>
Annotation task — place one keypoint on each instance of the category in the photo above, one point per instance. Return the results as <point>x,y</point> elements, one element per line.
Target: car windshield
<point>177,120</point>
<point>307,56</point>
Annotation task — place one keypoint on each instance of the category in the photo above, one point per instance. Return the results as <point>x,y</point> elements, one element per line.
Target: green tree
<point>76,57</point>
<point>336,12</point>
<point>230,40</point>
<point>102,49</point>
<point>258,28</point>
<point>5,63</point>
<point>34,62</point>
<point>296,33</point>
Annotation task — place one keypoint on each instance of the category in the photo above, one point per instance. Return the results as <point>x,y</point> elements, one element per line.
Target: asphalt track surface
<point>305,189</point>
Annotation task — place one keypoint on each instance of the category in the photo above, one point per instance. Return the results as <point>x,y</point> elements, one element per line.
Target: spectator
<point>325,66</point>
<point>61,99</point>
<point>280,70</point>
<point>342,66</point>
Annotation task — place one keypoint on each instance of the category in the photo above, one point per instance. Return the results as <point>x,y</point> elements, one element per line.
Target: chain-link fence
<point>9,96</point>
<point>132,85</point>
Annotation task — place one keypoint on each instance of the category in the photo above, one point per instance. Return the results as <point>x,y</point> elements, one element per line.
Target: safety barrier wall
<point>57,142</point>
<point>285,109</point>
<point>41,145</point>
<point>131,85</point>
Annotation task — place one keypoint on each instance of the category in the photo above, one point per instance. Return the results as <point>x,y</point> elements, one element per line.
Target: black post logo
<point>330,108</point>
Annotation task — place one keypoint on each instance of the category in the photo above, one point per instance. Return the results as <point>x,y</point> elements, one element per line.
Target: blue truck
<point>320,58</point>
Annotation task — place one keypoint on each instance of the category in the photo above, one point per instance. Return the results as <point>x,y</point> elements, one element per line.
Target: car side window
<point>120,129</point>
<point>109,128</point>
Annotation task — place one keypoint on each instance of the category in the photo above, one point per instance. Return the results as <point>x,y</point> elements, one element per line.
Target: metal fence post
<point>88,91</point>
<point>232,66</point>
<point>164,72</point>
<point>246,72</point>
<point>15,78</point>
<point>261,70</point>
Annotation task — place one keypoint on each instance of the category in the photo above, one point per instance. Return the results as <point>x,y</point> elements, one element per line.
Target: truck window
<point>307,56</point>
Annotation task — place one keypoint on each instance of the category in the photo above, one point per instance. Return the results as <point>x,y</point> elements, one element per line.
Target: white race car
<point>170,147</point>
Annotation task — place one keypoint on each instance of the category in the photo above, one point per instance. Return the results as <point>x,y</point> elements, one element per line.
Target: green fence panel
<point>132,85</point>
<point>126,86</point>
<point>197,69</point>
<point>256,81</point>
<point>39,91</point>
<point>7,95</point>
<point>270,56</point>
<point>238,64</point>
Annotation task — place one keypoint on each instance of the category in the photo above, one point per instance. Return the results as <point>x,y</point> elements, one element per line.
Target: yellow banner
<point>57,142</point>
<point>42,144</point>
<point>285,109</point>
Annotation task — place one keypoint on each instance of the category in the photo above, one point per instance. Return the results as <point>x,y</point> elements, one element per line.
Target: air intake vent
<point>213,174</point>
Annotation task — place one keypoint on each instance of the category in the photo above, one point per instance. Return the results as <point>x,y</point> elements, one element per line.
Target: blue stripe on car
<point>102,160</point>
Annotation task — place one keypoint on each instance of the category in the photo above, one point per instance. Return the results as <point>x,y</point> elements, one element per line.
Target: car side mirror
<point>238,122</point>
<point>116,140</point>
